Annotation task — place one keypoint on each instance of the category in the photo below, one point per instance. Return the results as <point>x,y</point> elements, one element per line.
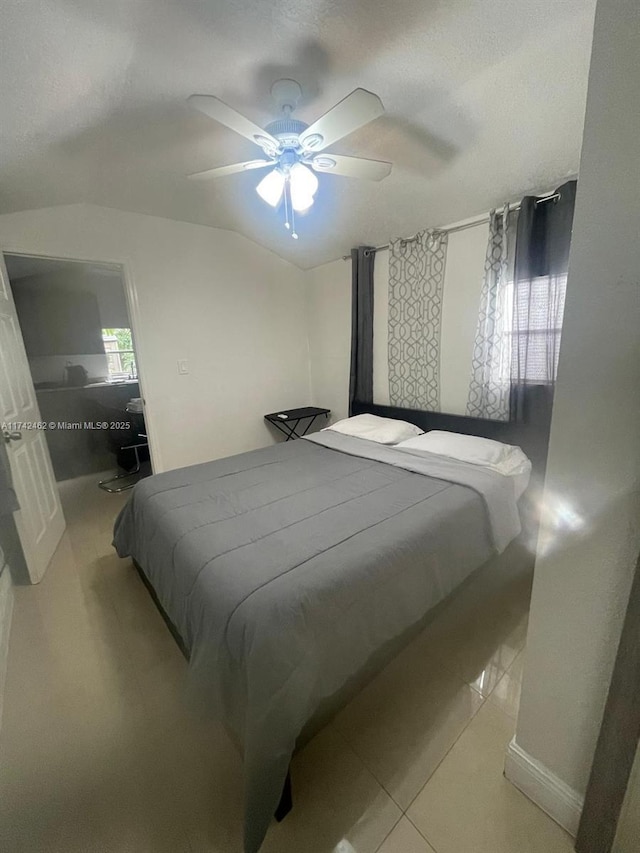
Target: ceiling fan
<point>292,148</point>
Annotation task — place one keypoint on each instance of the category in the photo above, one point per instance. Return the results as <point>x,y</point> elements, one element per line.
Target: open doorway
<point>80,347</point>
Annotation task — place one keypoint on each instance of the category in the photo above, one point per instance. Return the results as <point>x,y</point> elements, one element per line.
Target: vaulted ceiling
<point>484,101</point>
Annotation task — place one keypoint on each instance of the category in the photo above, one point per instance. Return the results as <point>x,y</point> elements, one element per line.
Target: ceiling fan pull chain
<point>287,224</point>
<point>292,210</point>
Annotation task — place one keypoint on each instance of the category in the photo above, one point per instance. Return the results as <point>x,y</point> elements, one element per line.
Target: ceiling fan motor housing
<point>287,131</point>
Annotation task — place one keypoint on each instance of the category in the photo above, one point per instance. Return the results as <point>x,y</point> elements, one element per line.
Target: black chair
<point>126,438</point>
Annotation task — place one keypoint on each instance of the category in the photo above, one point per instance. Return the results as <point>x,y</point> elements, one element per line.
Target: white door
<point>40,521</point>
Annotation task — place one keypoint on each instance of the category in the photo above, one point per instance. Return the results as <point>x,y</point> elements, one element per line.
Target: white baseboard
<point>6,609</point>
<point>544,788</point>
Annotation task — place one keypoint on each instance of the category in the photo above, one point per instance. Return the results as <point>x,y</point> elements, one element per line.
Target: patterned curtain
<point>416,279</point>
<point>490,386</point>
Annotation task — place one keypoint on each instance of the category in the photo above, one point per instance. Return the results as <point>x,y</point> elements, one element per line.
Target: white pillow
<point>506,459</point>
<point>374,428</point>
<point>466,448</point>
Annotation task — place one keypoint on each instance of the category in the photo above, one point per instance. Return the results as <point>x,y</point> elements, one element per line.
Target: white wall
<point>233,309</point>
<point>329,324</point>
<point>461,302</point>
<point>582,577</point>
<point>329,313</point>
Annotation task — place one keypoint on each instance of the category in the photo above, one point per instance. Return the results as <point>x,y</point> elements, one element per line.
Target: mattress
<point>286,569</point>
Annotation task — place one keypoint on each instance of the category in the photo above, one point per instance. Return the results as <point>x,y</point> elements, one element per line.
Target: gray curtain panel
<point>489,389</point>
<point>540,279</point>
<point>416,282</point>
<point>361,376</point>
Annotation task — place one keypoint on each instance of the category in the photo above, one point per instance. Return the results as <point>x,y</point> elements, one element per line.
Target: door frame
<point>133,309</point>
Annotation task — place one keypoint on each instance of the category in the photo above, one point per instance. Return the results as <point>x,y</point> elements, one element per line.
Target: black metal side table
<point>287,420</point>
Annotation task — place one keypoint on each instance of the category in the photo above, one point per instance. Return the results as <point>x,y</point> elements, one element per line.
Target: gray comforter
<point>285,569</point>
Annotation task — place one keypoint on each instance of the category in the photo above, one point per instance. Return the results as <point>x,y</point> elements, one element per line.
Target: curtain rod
<point>453,229</point>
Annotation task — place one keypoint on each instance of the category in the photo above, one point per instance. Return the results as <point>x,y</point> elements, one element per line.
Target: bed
<point>288,572</point>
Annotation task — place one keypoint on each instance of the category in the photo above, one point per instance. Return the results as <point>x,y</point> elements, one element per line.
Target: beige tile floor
<point>99,755</point>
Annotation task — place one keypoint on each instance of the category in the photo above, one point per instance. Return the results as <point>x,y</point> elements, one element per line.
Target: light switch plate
<point>183,366</point>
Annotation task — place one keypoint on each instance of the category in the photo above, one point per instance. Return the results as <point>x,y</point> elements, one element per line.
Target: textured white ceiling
<point>484,101</point>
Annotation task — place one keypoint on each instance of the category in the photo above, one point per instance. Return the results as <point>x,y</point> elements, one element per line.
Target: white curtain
<point>490,386</point>
<point>416,283</point>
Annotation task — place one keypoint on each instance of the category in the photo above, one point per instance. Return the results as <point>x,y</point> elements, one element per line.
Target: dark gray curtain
<point>361,378</point>
<point>543,241</point>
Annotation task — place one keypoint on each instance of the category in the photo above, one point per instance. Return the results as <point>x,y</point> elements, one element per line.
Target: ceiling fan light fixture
<point>300,202</point>
<point>303,180</point>
<point>303,185</point>
<point>271,187</point>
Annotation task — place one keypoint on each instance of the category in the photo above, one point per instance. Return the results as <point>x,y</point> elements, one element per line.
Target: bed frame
<point>531,434</point>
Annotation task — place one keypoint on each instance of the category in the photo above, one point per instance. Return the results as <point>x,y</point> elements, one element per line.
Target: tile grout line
<point>343,738</point>
<point>495,708</point>
<point>406,814</point>
<point>352,749</point>
<point>463,730</point>
<point>421,834</point>
<point>463,683</point>
<point>453,673</point>
<point>379,847</point>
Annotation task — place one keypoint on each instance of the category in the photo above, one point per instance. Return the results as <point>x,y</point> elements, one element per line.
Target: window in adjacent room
<point>121,359</point>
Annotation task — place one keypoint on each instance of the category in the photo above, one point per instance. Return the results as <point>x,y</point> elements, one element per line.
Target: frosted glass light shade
<point>300,202</point>
<point>303,184</point>
<point>271,187</point>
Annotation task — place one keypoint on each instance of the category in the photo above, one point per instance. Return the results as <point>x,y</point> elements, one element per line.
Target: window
<point>536,307</point>
<point>121,359</point>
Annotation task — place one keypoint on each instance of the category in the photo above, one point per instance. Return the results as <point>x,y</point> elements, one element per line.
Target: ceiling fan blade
<point>351,167</point>
<point>218,110</point>
<point>354,111</point>
<point>221,171</point>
